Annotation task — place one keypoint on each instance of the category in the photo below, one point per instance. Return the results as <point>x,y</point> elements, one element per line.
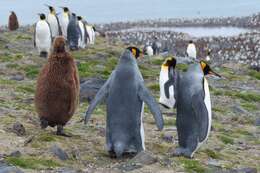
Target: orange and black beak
<point>207,70</point>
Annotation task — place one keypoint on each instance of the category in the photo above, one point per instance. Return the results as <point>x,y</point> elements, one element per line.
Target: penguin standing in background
<point>193,108</point>
<point>13,23</point>
<point>57,91</point>
<point>148,50</point>
<point>91,33</point>
<point>135,51</point>
<point>191,50</point>
<point>208,55</point>
<point>74,35</point>
<point>64,21</point>
<point>42,36</point>
<point>156,46</point>
<point>125,94</point>
<point>167,82</point>
<point>53,20</point>
<point>84,39</point>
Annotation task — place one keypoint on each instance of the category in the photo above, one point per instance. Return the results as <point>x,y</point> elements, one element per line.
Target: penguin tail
<point>119,148</point>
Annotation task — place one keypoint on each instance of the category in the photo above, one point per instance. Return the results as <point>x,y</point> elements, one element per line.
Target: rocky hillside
<point>233,145</point>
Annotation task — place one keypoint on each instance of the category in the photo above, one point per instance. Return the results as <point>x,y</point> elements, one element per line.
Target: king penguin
<point>191,50</point>
<point>125,92</point>
<point>42,36</point>
<point>91,33</point>
<point>167,82</point>
<point>208,55</point>
<point>64,20</point>
<point>137,53</point>
<point>53,20</point>
<point>193,108</point>
<point>85,37</point>
<point>74,34</point>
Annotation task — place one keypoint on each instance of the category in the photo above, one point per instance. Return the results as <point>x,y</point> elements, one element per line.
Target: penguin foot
<point>60,131</point>
<point>182,152</point>
<point>44,54</point>
<point>44,123</point>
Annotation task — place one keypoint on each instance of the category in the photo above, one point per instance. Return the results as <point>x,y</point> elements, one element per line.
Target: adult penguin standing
<point>13,23</point>
<point>167,82</point>
<point>91,32</point>
<point>57,91</point>
<point>64,20</point>
<point>53,20</point>
<point>74,34</point>
<point>191,50</point>
<point>85,37</point>
<point>193,108</point>
<point>125,93</point>
<point>42,36</point>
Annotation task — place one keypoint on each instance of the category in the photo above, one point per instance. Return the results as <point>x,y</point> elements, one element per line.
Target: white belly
<point>82,39</point>
<point>208,106</point>
<point>163,99</point>
<point>142,128</point>
<point>64,24</point>
<point>43,36</point>
<point>91,34</point>
<point>52,20</point>
<point>191,51</point>
<point>149,51</point>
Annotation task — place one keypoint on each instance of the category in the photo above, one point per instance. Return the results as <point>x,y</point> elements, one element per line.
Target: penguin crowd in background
<point>77,32</point>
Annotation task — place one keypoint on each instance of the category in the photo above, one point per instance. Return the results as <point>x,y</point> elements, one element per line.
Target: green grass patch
<point>27,162</point>
<point>46,138</point>
<point>192,165</point>
<point>26,89</point>
<point>182,67</point>
<point>23,37</point>
<point>154,87</point>
<point>10,58</point>
<point>12,66</point>
<point>226,139</point>
<point>212,154</point>
<point>249,106</point>
<point>255,74</point>
<point>31,71</point>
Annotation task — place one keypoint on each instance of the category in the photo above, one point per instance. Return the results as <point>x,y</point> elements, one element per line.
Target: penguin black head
<point>190,42</point>
<point>59,44</point>
<point>170,62</point>
<point>207,70</point>
<point>135,51</point>
<point>79,17</point>
<point>42,16</point>
<point>65,9</point>
<point>52,10</point>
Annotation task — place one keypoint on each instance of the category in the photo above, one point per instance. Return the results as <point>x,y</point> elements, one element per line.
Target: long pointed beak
<point>214,73</point>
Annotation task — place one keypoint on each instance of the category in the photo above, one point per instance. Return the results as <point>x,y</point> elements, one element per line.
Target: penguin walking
<point>13,23</point>
<point>125,95</point>
<point>64,21</point>
<point>91,33</point>
<point>74,34</point>
<point>57,90</point>
<point>85,37</point>
<point>167,83</point>
<point>191,50</point>
<point>42,36</point>
<point>53,20</point>
<point>193,108</point>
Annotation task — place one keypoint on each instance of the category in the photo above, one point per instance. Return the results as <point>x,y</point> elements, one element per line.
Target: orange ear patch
<point>134,51</point>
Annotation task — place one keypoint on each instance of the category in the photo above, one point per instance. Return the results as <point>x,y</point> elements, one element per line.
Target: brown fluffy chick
<point>13,22</point>
<point>57,91</point>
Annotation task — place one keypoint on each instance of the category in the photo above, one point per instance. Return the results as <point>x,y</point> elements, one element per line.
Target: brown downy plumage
<point>13,22</point>
<point>57,91</point>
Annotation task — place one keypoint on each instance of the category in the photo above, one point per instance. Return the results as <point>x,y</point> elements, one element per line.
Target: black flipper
<point>169,83</point>
<point>34,35</point>
<point>59,26</point>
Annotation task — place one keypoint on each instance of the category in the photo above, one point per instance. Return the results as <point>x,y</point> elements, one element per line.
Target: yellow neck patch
<point>134,51</point>
<point>203,65</point>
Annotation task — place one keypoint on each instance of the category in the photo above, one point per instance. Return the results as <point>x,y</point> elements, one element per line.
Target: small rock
<point>17,77</point>
<point>61,154</point>
<point>144,158</point>
<point>5,168</point>
<point>213,162</point>
<point>89,88</point>
<point>15,154</point>
<point>168,138</point>
<point>257,121</point>
<point>18,129</point>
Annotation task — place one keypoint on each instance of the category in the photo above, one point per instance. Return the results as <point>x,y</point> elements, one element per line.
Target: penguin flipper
<point>101,94</point>
<point>167,88</point>
<point>34,35</point>
<point>145,96</point>
<point>59,26</point>
<point>200,111</point>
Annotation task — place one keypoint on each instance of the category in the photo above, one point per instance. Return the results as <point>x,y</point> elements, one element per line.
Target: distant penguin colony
<point>57,91</point>
<point>125,93</point>
<point>13,23</point>
<point>42,36</point>
<point>191,50</point>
